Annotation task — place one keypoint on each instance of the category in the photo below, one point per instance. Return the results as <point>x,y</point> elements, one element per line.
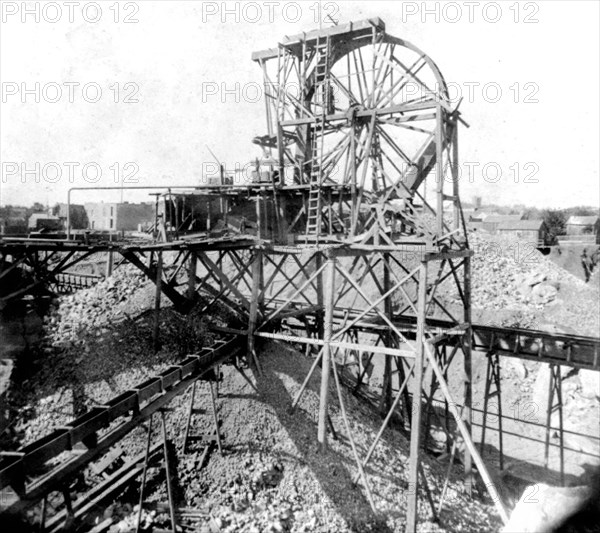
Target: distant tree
<point>79,219</point>
<point>37,208</point>
<point>556,222</point>
<point>581,211</point>
<point>532,213</point>
<point>78,216</point>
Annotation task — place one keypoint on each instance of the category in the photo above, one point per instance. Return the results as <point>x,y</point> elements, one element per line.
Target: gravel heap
<point>515,285</point>
<point>98,343</point>
<point>109,301</point>
<point>272,476</point>
<point>509,273</point>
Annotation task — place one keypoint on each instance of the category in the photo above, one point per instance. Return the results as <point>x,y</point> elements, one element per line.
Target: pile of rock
<point>89,309</point>
<point>98,342</point>
<point>513,275</point>
<point>536,289</point>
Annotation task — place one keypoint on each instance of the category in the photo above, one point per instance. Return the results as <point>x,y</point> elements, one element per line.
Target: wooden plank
<point>349,30</point>
<point>409,354</point>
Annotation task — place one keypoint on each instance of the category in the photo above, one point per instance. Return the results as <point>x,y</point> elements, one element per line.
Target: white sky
<point>175,49</point>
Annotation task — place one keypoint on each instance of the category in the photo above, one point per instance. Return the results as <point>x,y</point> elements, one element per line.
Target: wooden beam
<point>415,434</point>
<point>181,303</point>
<point>158,292</point>
<point>467,367</point>
<point>254,312</point>
<point>329,289</point>
<point>216,271</point>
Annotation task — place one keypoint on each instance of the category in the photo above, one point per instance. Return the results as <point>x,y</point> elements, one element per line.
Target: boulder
<point>524,290</point>
<point>534,278</point>
<point>551,509</point>
<point>543,293</point>
<point>543,508</point>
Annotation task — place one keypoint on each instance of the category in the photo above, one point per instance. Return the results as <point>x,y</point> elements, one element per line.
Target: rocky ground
<point>98,341</point>
<point>515,285</point>
<point>272,476</point>
<point>521,287</point>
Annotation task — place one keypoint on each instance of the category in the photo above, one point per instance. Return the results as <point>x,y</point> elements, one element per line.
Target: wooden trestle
<point>346,254</point>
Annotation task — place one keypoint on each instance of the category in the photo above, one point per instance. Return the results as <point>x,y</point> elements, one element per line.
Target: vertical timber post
<point>467,346</point>
<point>318,264</point>
<point>261,284</point>
<point>279,200</point>
<point>192,265</point>
<point>415,426</point>
<point>439,174</point>
<point>109,263</point>
<point>326,364</point>
<point>386,393</point>
<point>259,228</point>
<point>455,176</point>
<point>109,260</point>
<point>283,225</point>
<point>157,295</point>
<point>353,204</point>
<point>254,305</point>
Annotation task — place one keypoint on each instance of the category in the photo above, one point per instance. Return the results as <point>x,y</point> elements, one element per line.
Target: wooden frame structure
<point>350,225</point>
<point>346,255</point>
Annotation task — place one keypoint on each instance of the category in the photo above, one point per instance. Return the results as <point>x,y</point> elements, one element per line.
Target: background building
<point>583,225</point>
<point>119,216</point>
<point>492,222</point>
<point>43,221</point>
<point>534,231</point>
<point>78,219</point>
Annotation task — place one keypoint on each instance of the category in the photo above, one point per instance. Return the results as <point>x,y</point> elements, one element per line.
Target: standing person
<point>586,264</point>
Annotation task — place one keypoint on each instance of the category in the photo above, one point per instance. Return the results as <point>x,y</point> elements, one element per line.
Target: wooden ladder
<point>321,96</point>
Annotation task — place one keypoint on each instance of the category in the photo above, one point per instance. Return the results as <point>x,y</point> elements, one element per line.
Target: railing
<point>68,282</point>
<point>586,238</point>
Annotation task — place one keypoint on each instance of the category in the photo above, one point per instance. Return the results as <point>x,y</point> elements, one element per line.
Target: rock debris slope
<point>273,478</point>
